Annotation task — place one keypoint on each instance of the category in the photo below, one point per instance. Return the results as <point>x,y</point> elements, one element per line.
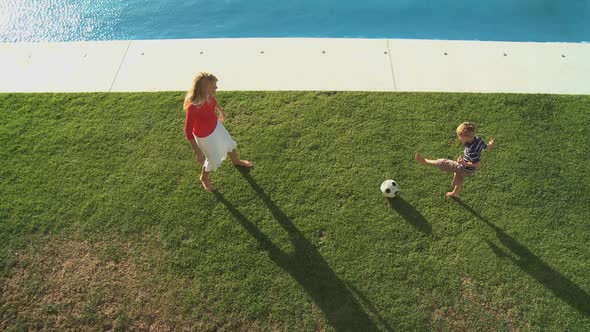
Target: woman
<point>208,137</point>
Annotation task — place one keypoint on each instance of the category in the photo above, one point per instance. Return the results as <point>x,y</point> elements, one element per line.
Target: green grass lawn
<point>104,225</point>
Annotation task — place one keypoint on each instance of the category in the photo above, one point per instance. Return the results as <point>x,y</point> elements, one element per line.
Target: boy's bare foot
<point>243,163</point>
<point>421,159</point>
<point>207,184</point>
<point>452,194</point>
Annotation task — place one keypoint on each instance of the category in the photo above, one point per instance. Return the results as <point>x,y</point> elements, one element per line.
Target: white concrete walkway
<point>297,64</point>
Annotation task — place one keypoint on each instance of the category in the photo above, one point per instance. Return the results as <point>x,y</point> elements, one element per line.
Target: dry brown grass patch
<point>64,284</point>
<point>475,310</point>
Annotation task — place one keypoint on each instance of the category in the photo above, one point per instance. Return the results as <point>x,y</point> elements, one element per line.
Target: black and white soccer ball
<point>390,188</point>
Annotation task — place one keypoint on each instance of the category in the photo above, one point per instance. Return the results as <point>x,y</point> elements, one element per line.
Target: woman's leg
<point>236,161</point>
<point>205,180</point>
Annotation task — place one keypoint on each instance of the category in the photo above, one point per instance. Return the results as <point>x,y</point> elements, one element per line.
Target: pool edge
<point>281,64</point>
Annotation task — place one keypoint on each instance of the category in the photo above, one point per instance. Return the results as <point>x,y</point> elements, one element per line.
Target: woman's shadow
<point>308,267</point>
<point>559,285</point>
<point>410,214</point>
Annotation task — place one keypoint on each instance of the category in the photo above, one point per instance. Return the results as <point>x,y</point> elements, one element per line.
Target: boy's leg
<point>445,165</point>
<point>236,161</point>
<point>205,180</point>
<point>425,161</point>
<point>457,182</point>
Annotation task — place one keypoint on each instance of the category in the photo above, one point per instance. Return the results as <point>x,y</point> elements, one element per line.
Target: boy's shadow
<point>308,267</point>
<point>559,285</point>
<point>410,214</point>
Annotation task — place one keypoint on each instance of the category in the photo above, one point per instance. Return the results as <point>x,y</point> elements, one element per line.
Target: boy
<point>467,163</point>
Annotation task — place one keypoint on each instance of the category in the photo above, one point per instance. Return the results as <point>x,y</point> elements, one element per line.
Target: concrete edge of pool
<point>297,64</point>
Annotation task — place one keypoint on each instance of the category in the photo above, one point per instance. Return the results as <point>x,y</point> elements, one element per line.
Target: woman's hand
<point>198,153</point>
<point>200,159</point>
<point>221,112</point>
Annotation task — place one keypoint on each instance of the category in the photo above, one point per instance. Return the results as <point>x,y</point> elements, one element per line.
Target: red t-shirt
<point>200,120</point>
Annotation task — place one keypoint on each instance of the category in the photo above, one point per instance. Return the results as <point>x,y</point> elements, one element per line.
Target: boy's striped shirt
<point>472,153</point>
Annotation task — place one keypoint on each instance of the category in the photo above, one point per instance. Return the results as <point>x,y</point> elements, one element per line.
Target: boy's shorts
<point>451,166</point>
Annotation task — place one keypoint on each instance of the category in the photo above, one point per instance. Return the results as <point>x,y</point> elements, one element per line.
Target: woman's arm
<point>188,130</point>
<point>221,112</point>
<point>198,152</point>
<point>188,125</point>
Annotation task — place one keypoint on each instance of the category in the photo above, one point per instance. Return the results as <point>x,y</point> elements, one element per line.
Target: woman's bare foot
<point>207,184</point>
<point>243,163</point>
<point>421,159</point>
<point>452,194</point>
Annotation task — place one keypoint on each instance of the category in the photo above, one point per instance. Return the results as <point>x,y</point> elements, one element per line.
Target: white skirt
<point>216,146</point>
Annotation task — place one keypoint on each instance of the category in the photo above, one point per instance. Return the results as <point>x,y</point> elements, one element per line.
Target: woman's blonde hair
<point>200,88</point>
<point>466,129</point>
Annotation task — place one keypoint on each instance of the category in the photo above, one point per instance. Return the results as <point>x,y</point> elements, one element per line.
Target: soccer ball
<point>389,188</point>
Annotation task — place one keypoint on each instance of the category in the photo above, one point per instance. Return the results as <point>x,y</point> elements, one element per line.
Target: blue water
<point>498,20</point>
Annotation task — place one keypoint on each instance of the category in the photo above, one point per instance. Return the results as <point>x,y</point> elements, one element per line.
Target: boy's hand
<point>491,143</point>
<point>460,160</point>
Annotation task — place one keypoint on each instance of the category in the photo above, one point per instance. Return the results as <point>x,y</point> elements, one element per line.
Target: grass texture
<point>104,225</point>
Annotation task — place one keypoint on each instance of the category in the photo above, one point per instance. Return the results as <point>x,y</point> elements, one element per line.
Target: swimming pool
<point>497,20</point>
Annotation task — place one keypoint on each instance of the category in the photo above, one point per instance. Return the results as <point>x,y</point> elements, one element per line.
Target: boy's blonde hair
<point>200,88</point>
<point>466,129</point>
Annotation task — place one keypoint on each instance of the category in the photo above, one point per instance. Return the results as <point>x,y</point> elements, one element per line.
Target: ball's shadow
<point>410,214</point>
